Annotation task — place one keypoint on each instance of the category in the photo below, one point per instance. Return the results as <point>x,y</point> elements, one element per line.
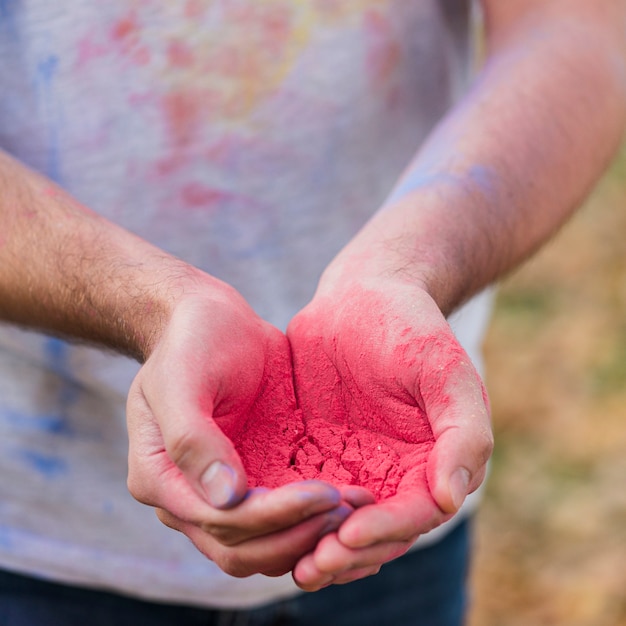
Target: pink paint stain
<point>195,8</point>
<point>125,28</point>
<point>126,36</point>
<point>179,54</point>
<point>198,196</point>
<point>87,50</point>
<point>383,51</point>
<point>181,110</point>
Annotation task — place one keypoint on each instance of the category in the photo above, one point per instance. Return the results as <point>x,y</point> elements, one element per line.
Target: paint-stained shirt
<point>251,138</point>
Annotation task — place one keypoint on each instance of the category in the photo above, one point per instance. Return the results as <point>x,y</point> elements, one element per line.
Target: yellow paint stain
<point>231,54</point>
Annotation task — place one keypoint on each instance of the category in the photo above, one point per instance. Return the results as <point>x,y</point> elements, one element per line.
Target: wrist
<point>178,287</point>
<point>423,240</point>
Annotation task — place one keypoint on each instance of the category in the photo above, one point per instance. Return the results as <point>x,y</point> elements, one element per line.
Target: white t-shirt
<point>251,139</point>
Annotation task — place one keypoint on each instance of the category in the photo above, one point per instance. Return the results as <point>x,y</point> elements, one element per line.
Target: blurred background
<point>551,534</point>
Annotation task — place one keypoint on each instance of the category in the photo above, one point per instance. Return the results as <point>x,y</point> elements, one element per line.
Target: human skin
<point>380,358</point>
<point>497,177</point>
<point>495,180</point>
<point>205,354</point>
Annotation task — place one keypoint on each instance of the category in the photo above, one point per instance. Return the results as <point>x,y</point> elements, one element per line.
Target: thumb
<point>457,464</point>
<point>171,436</point>
<point>207,459</point>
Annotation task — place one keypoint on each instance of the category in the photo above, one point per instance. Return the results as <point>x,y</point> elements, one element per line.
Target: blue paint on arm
<point>478,179</point>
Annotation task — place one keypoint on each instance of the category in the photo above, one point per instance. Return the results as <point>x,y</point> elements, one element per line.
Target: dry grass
<point>551,535</point>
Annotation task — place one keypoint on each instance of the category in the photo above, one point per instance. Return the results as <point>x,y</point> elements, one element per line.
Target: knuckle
<point>168,519</point>
<point>139,488</point>
<point>485,446</point>
<point>181,447</point>
<point>228,537</point>
<point>233,565</point>
<point>275,572</point>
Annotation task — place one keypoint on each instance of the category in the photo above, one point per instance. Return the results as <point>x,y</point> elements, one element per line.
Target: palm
<point>364,377</point>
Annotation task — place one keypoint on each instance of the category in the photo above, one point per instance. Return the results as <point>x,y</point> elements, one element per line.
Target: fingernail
<point>458,484</point>
<point>316,495</point>
<point>326,582</point>
<point>219,485</point>
<point>335,518</point>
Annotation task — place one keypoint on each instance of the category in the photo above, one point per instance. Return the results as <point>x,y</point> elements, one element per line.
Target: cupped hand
<point>391,402</point>
<point>217,372</point>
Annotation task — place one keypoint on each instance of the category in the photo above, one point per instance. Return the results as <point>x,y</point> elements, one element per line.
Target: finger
<point>205,364</point>
<point>197,445</point>
<point>400,518</point>
<point>309,577</point>
<point>275,510</point>
<point>263,512</point>
<point>333,563</point>
<point>333,557</point>
<point>155,478</point>
<point>357,574</point>
<point>357,496</point>
<point>463,439</point>
<point>273,555</point>
<point>186,440</point>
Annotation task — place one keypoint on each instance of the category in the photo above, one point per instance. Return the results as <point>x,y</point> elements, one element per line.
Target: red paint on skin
<point>356,420</point>
<point>51,192</point>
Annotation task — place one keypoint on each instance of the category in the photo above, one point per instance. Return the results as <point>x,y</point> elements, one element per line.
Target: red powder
<point>355,420</point>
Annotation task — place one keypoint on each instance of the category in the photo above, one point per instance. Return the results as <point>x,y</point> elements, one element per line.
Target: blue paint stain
<point>415,180</point>
<point>8,13</point>
<point>485,178</point>
<point>52,424</point>
<point>5,539</point>
<point>47,69</point>
<point>47,465</point>
<point>7,8</point>
<point>477,178</point>
<point>57,353</point>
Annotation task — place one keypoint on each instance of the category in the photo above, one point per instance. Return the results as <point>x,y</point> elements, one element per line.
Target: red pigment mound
<point>321,450</point>
<point>340,436</point>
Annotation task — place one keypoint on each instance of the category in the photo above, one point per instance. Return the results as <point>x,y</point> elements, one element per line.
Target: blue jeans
<point>423,588</point>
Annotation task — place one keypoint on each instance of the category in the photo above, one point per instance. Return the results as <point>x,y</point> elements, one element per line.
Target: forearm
<point>67,271</point>
<point>511,162</point>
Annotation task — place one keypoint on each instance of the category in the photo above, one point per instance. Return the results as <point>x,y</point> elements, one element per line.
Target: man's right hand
<point>67,271</point>
<point>202,380</point>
